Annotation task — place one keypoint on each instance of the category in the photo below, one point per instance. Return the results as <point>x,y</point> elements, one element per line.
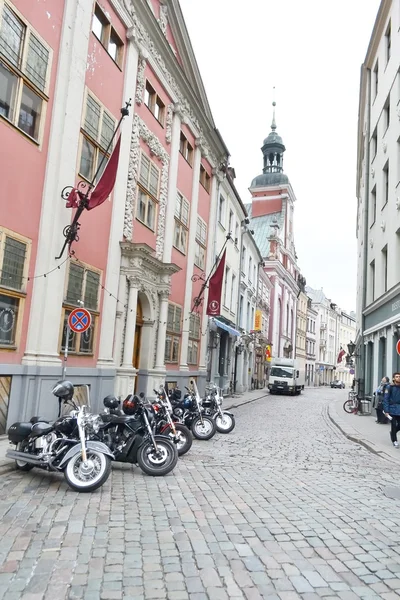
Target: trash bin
<point>365,405</point>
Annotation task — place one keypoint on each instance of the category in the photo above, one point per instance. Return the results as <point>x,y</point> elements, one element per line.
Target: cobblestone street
<point>284,507</point>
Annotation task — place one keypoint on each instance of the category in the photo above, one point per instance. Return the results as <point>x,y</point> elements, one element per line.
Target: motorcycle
<point>128,433</point>
<point>165,425</point>
<point>212,404</point>
<point>63,445</point>
<point>189,412</point>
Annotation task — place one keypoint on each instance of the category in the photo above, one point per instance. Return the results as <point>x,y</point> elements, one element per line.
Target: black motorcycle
<point>165,425</point>
<point>212,405</point>
<point>190,412</point>
<point>128,433</point>
<point>63,445</point>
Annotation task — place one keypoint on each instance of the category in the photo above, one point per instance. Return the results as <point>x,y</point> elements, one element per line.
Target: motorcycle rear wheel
<point>19,464</point>
<point>84,479</point>
<point>225,424</point>
<point>185,439</point>
<point>203,432</point>
<point>160,463</point>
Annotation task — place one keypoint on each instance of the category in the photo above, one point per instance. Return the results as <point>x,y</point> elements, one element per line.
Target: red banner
<point>341,354</point>
<point>107,181</point>
<point>215,289</point>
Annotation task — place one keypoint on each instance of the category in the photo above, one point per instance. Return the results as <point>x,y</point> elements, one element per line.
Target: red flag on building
<point>340,356</point>
<point>107,181</point>
<point>215,289</point>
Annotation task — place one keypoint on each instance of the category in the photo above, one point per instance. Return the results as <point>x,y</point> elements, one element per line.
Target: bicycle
<point>352,403</point>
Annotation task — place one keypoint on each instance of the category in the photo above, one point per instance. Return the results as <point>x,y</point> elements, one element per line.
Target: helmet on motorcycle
<point>187,402</point>
<point>64,390</point>
<point>130,404</point>
<point>111,401</point>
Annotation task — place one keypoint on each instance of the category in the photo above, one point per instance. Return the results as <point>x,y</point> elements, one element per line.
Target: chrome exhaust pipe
<point>24,457</point>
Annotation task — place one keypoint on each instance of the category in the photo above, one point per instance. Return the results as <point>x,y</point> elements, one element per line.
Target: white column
<point>108,322</point>
<point>119,327</point>
<point>172,187</point>
<point>162,328</point>
<point>130,324</point>
<point>47,294</point>
<point>190,259</point>
<point>209,263</point>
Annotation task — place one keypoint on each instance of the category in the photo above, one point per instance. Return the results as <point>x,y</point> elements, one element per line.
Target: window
<point>154,103</point>
<point>181,223</point>
<point>386,114</point>
<point>385,268</point>
<point>227,269</point>
<point>24,62</point>
<point>173,337</point>
<point>372,281</point>
<point>205,179</point>
<point>233,294</point>
<point>221,210</point>
<point>241,311</point>
<point>148,185</point>
<point>106,34</point>
<point>96,134</point>
<point>376,79</point>
<point>374,144</point>
<point>254,275</point>
<point>249,274</point>
<point>385,184</point>
<point>373,205</point>
<point>14,260</point>
<point>230,222</point>
<point>186,149</point>
<point>83,285</point>
<point>388,41</point>
<point>201,242</point>
<point>243,263</point>
<point>248,316</point>
<point>236,233</point>
<point>194,337</point>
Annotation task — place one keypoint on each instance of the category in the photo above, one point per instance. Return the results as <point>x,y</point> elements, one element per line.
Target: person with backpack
<point>391,407</point>
<point>380,417</point>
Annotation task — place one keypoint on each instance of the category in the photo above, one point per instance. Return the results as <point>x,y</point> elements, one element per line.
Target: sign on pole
<point>398,347</point>
<point>79,320</point>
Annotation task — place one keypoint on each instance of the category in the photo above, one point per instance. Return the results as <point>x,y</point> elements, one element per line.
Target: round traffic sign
<point>79,320</point>
<point>398,347</point>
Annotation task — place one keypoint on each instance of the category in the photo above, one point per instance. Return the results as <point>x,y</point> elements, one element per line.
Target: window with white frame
<point>96,133</point>
<point>236,240</point>
<point>174,331</point>
<point>201,242</point>
<point>24,73</point>
<point>14,262</point>
<point>221,210</point>
<point>148,189</point>
<point>83,286</point>
<point>226,286</point>
<point>181,223</point>
<point>233,294</point>
<point>243,261</point>
<point>230,222</point>
<point>250,271</point>
<point>194,339</point>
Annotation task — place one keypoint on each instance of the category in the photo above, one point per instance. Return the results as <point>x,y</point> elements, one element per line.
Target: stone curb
<point>355,436</point>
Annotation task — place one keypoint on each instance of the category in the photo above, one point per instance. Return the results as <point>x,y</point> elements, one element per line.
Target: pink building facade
<point>65,75</point>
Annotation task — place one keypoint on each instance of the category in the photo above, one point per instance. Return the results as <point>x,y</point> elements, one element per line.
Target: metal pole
<point>64,371</point>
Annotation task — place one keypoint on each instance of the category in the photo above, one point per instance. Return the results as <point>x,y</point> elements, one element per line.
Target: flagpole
<point>71,231</point>
<point>198,299</point>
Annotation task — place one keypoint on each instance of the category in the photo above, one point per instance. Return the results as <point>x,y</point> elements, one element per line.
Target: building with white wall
<point>312,343</point>
<point>378,202</point>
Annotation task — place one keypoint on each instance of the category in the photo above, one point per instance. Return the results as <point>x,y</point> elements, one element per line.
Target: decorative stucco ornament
<point>373,173</point>
<point>168,123</point>
<point>384,145</point>
<point>140,80</point>
<point>398,203</point>
<point>371,243</point>
<point>383,225</point>
<point>163,20</point>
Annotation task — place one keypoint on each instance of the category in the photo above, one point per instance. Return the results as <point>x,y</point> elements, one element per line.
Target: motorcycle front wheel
<point>203,431</point>
<point>90,475</point>
<point>184,436</point>
<point>157,462</point>
<point>226,423</point>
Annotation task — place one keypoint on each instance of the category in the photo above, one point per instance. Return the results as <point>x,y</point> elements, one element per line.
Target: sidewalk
<point>363,430</point>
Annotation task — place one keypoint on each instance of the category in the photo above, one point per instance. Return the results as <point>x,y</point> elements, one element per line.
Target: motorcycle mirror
<point>141,395</point>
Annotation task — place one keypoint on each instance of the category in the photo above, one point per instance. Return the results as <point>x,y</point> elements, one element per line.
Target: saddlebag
<point>19,431</point>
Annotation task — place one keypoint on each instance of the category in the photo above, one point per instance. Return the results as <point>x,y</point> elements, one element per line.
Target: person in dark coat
<point>380,417</point>
<point>391,407</point>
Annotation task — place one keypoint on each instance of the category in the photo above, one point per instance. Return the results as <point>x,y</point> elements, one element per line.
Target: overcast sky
<point>311,51</point>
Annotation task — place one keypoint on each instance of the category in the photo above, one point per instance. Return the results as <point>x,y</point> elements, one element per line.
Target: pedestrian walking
<point>391,407</point>
<point>379,392</point>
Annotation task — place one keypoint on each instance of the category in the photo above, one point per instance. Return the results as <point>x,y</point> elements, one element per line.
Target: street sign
<point>352,371</point>
<point>79,320</point>
<point>398,347</point>
<point>321,368</point>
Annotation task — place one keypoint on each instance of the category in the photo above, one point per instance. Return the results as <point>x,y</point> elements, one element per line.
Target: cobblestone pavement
<point>284,507</point>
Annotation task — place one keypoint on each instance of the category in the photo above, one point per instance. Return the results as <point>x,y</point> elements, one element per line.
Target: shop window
<point>181,223</point>
<point>201,242</point>
<point>14,259</point>
<point>83,286</point>
<point>96,134</point>
<point>24,73</point>
<point>148,189</point>
<point>174,331</point>
<point>106,34</point>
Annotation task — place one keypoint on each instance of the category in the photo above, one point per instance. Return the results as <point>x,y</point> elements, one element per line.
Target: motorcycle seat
<point>42,428</point>
<point>34,420</point>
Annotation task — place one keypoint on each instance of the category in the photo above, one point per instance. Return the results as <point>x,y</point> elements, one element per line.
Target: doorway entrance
<point>138,337</point>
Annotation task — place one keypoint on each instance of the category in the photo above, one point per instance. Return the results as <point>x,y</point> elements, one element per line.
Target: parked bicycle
<point>352,403</point>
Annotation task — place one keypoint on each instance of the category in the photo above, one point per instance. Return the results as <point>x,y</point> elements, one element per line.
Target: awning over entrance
<point>226,327</point>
